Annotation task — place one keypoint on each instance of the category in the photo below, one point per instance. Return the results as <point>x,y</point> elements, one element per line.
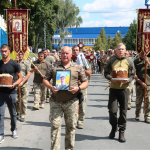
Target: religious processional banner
<point>143,31</point>
<point>17,31</point>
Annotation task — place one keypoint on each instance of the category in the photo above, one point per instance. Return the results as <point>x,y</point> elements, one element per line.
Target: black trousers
<point>10,100</point>
<point>118,96</point>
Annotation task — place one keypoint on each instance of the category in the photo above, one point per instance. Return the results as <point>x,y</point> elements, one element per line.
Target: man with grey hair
<point>64,102</point>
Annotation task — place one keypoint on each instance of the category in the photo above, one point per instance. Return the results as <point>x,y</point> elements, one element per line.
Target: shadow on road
<point>81,137</point>
<point>99,118</point>
<point>46,124</point>
<point>18,148</point>
<point>96,94</point>
<point>98,100</point>
<point>99,106</point>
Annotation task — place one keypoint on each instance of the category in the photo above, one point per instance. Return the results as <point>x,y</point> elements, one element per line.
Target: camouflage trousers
<point>70,111</point>
<point>130,92</point>
<point>24,99</point>
<point>139,100</point>
<point>82,110</point>
<point>48,91</point>
<point>39,93</point>
<point>102,69</point>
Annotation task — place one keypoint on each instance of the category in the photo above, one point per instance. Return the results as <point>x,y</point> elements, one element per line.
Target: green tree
<point>119,37</point>
<point>101,41</point>
<point>104,38</point>
<point>116,40</point>
<point>43,11</point>
<point>67,18</point>
<point>109,42</point>
<point>24,4</point>
<point>130,38</point>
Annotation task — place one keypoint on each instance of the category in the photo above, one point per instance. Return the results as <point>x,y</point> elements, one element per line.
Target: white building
<point>2,23</point>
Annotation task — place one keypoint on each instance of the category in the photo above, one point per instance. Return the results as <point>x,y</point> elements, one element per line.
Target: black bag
<point>80,97</point>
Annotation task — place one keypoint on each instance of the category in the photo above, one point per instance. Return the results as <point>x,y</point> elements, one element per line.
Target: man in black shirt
<point>8,94</point>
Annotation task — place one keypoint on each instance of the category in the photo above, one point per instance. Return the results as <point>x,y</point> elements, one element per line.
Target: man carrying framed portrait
<point>64,102</point>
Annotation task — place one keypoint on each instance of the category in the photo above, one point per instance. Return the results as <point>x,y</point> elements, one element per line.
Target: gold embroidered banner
<point>17,29</point>
<point>143,31</point>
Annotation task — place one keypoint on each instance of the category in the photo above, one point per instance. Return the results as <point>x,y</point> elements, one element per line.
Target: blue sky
<point>126,12</point>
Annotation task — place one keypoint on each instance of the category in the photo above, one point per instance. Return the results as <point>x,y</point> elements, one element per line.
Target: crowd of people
<point>71,102</point>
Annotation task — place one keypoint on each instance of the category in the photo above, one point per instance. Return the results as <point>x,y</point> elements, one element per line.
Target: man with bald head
<point>64,102</point>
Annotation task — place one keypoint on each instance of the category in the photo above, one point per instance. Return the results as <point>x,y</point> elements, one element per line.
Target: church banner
<point>17,29</point>
<point>143,31</point>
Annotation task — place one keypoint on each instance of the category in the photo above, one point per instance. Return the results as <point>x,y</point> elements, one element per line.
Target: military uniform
<point>50,60</point>
<point>140,72</point>
<point>82,105</point>
<point>102,64</point>
<point>61,104</point>
<point>39,88</point>
<point>25,67</point>
<point>118,92</point>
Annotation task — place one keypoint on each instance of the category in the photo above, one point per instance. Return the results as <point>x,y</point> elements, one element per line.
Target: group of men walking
<point>71,103</point>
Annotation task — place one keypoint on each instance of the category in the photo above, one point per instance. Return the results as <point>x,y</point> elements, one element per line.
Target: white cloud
<point>85,15</point>
<point>108,23</point>
<point>108,5</point>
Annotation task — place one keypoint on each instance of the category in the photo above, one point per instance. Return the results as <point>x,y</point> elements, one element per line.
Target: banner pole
<point>15,5</point>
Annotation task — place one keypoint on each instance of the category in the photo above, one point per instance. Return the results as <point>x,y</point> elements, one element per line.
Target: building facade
<point>86,35</point>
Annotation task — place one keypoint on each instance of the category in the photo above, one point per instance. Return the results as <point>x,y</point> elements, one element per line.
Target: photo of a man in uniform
<point>62,85</point>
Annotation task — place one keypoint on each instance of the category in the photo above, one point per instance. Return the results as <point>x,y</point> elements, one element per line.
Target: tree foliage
<point>104,43</point>
<point>67,17</point>
<point>130,38</point>
<point>41,11</point>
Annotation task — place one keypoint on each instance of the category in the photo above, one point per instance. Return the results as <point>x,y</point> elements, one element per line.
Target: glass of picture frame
<point>63,79</point>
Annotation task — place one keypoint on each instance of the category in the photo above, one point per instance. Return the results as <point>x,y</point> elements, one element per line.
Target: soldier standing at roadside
<point>140,86</point>
<point>25,72</point>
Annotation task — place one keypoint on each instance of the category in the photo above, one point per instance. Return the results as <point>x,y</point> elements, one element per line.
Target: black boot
<point>121,136</point>
<point>113,131</point>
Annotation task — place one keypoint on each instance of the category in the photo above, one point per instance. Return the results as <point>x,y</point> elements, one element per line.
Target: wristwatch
<point>79,88</point>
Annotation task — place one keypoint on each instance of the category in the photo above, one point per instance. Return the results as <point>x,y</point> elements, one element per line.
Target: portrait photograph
<point>146,26</point>
<point>63,80</point>
<point>17,25</point>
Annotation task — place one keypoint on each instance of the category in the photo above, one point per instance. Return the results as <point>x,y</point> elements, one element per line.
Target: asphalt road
<point>34,134</point>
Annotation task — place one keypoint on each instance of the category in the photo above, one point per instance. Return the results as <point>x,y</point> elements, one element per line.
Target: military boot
<point>121,136</point>
<point>113,131</point>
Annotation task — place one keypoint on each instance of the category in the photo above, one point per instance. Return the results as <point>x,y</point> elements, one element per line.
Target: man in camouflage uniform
<point>101,59</point>
<point>75,50</point>
<point>39,88</point>
<point>131,84</point>
<point>50,60</point>
<point>25,72</point>
<point>140,86</point>
<point>60,104</point>
<point>56,57</point>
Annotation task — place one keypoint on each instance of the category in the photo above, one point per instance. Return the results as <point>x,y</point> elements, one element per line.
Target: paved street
<point>34,134</point>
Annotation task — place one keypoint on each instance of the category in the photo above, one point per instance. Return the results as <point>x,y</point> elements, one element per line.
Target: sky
<point>115,12</point>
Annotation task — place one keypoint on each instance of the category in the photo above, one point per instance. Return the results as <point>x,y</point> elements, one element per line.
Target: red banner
<point>17,29</point>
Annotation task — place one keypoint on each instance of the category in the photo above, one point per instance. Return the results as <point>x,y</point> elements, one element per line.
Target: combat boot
<point>35,107</point>
<point>113,131</point>
<point>137,118</point>
<point>121,136</point>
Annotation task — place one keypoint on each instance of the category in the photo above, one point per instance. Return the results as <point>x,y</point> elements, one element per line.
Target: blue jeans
<point>10,100</point>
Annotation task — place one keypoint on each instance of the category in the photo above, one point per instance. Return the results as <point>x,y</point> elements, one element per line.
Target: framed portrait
<point>63,79</point>
<point>146,25</point>
<point>17,25</point>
